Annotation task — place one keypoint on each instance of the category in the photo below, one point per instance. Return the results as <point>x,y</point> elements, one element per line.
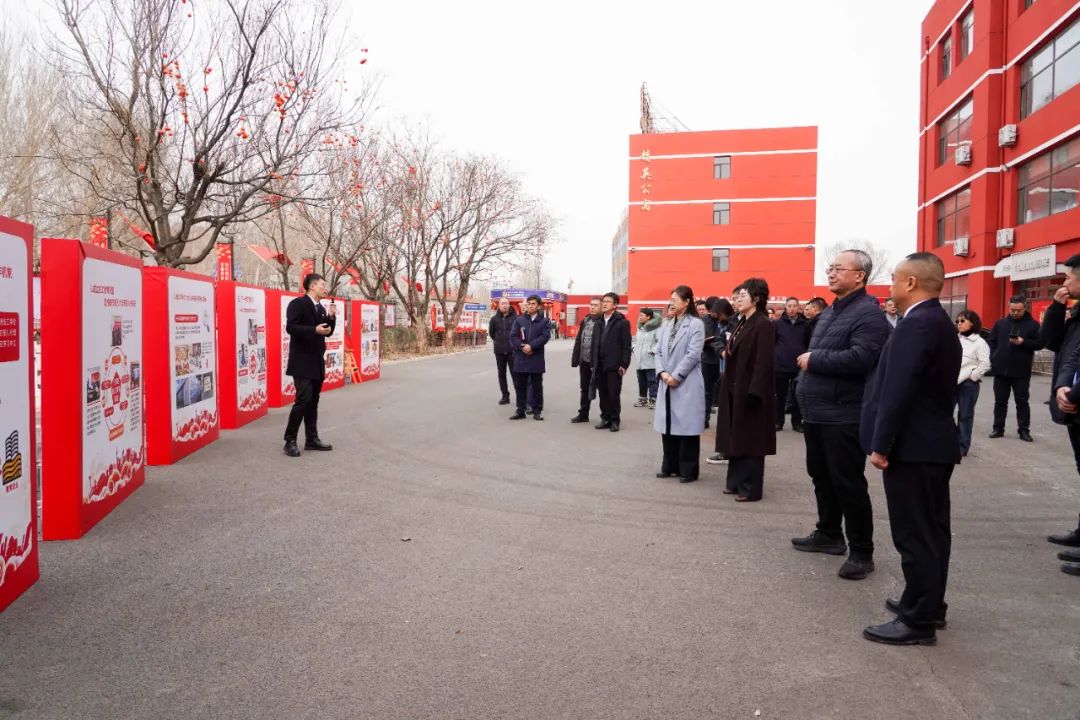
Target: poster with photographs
<point>369,340</point>
<point>288,389</point>
<point>194,381</point>
<point>112,376</point>
<point>250,349</point>
<point>17,470</point>
<point>335,348</point>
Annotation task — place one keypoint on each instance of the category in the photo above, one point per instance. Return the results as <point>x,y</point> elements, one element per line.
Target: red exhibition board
<point>242,346</point>
<point>18,496</point>
<point>93,456</point>
<point>181,367</point>
<point>365,338</point>
<point>335,346</point>
<point>280,388</point>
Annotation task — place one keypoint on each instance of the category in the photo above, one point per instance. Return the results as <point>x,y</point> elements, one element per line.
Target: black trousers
<point>585,380</point>
<point>609,388</point>
<point>1021,390</point>
<point>746,476</point>
<point>682,455</point>
<point>783,386</point>
<point>1074,438</point>
<point>305,408</point>
<point>504,362</point>
<point>919,515</point>
<point>837,464</point>
<point>711,374</point>
<point>529,386</point>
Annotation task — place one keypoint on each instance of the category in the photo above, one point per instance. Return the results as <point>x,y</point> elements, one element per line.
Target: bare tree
<point>881,257</point>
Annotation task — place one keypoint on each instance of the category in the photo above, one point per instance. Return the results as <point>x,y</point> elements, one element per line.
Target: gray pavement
<point>548,574</point>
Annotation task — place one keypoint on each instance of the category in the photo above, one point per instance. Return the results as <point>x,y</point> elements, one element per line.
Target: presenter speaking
<point>308,324</point>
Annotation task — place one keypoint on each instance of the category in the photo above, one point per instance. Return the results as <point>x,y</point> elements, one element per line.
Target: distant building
<point>620,263</point>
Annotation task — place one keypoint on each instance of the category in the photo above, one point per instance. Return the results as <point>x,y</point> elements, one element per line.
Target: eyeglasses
<point>833,269</point>
<point>741,296</point>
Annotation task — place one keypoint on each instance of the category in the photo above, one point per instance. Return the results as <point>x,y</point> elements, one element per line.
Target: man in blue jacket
<point>528,335</point>
<point>909,431</point>
<point>845,346</point>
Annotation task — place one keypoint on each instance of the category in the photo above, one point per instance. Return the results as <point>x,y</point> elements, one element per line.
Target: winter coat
<point>792,339</point>
<point>306,347</point>
<point>1014,361</point>
<point>575,356</point>
<point>645,344</point>
<point>499,331</point>
<point>615,344</point>
<point>845,346</point>
<point>710,354</point>
<point>976,360</point>
<point>685,402</point>
<point>746,420</point>
<point>1060,332</point>
<point>534,332</point>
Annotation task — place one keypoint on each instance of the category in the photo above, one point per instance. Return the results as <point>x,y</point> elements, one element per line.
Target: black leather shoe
<point>1026,436</point>
<point>663,475</point>
<point>317,444</point>
<point>997,434</point>
<point>816,542</point>
<point>893,606</point>
<point>518,416</point>
<point>1071,569</point>
<point>505,401</point>
<point>580,419</point>
<point>291,450</point>
<point>687,479</point>
<point>1069,539</point>
<point>898,632</point>
<point>538,416</point>
<point>1069,556</point>
<point>856,568</point>
<point>614,427</point>
<point>604,425</point>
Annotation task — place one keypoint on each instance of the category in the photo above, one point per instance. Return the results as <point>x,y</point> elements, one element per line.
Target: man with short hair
<point>792,340</point>
<point>1013,342</point>
<point>612,359</point>
<point>843,351</point>
<point>528,335</point>
<point>308,324</point>
<point>891,315</point>
<point>812,311</point>
<point>584,359</point>
<point>909,431</point>
<point>499,331</point>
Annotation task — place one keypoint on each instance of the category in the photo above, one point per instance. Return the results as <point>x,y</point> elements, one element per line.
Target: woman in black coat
<point>746,420</point>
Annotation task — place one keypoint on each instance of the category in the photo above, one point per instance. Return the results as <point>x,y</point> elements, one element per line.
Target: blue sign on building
<point>522,294</point>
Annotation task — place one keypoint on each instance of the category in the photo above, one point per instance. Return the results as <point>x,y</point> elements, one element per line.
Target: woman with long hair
<point>975,364</point>
<point>746,419</point>
<point>680,404</point>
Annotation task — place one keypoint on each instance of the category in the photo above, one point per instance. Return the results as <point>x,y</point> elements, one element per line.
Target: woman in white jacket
<point>975,364</point>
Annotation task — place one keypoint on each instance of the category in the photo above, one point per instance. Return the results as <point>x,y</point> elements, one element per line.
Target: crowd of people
<point>896,382</point>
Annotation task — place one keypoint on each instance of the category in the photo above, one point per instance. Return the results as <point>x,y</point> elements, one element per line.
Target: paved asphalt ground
<point>548,574</point>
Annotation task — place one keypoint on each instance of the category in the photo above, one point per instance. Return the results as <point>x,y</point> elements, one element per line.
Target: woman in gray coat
<point>680,406</point>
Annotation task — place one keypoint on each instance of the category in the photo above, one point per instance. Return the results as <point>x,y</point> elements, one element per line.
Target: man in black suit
<point>308,324</point>
<point>613,358</point>
<point>908,430</point>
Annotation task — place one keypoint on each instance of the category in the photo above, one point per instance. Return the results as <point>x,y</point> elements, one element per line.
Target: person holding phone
<point>308,324</point>
<point>1013,343</point>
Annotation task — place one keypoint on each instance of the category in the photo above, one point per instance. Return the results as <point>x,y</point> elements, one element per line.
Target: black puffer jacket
<point>499,331</point>
<point>792,338</point>
<point>1060,332</point>
<point>844,349</point>
<point>1014,361</point>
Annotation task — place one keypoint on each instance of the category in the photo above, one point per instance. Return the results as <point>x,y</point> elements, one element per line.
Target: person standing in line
<point>812,311</point>
<point>613,359</point>
<point>308,324</point>
<point>1013,342</point>
<point>792,340</point>
<point>724,313</point>
<point>584,358</point>
<point>974,365</point>
<point>710,357</point>
<point>645,352</point>
<point>891,314</point>
<point>1061,333</point>
<point>528,336</point>
<point>907,428</point>
<point>679,417</point>
<point>499,331</point>
<point>843,351</point>
<point>745,421</point>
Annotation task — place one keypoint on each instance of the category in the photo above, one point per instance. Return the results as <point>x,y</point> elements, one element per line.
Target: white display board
<point>112,377</point>
<point>335,346</point>
<point>192,370</point>
<point>287,386</point>
<point>369,339</point>
<point>250,349</point>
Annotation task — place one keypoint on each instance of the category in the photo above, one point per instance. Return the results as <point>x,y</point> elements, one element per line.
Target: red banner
<point>224,261</point>
<point>307,267</point>
<point>99,231</point>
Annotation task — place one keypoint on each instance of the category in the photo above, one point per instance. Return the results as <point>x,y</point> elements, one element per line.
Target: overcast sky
<point>553,89</point>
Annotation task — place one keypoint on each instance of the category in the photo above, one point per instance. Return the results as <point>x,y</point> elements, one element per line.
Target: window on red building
<point>721,259</point>
<point>721,213</point>
<point>954,295</point>
<point>946,56</point>
<point>1050,183</point>
<point>721,167</point>
<point>954,130</point>
<point>967,34</point>
<point>954,217</point>
<point>1028,3</point>
<point>1051,71</point>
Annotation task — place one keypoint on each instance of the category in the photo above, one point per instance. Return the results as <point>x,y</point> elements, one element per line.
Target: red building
<point>999,150</point>
<point>710,209</point>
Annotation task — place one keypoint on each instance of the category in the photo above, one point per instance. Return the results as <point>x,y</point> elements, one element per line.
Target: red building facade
<point>710,209</point>
<point>999,148</point>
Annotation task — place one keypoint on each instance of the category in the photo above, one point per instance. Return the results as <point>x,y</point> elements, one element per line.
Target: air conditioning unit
<point>963,154</point>
<point>1007,136</point>
<point>960,247</point>
<point>1005,238</point>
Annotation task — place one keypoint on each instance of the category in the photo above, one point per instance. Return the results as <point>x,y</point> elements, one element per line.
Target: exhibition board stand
<point>335,346</point>
<point>365,338</point>
<point>242,346</point>
<point>280,388</point>
<point>18,496</point>
<point>181,365</point>
<point>93,456</point>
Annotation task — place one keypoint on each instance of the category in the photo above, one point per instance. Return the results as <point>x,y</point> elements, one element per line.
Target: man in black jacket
<point>612,359</point>
<point>499,331</point>
<point>792,340</point>
<point>909,432</point>
<point>1013,342</point>
<point>843,351</point>
<point>584,359</point>
<point>308,324</point>
<point>710,353</point>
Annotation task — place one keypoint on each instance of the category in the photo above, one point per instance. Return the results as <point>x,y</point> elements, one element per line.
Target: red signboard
<point>366,338</point>
<point>307,267</point>
<point>242,353</point>
<point>224,261</point>
<point>280,389</point>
